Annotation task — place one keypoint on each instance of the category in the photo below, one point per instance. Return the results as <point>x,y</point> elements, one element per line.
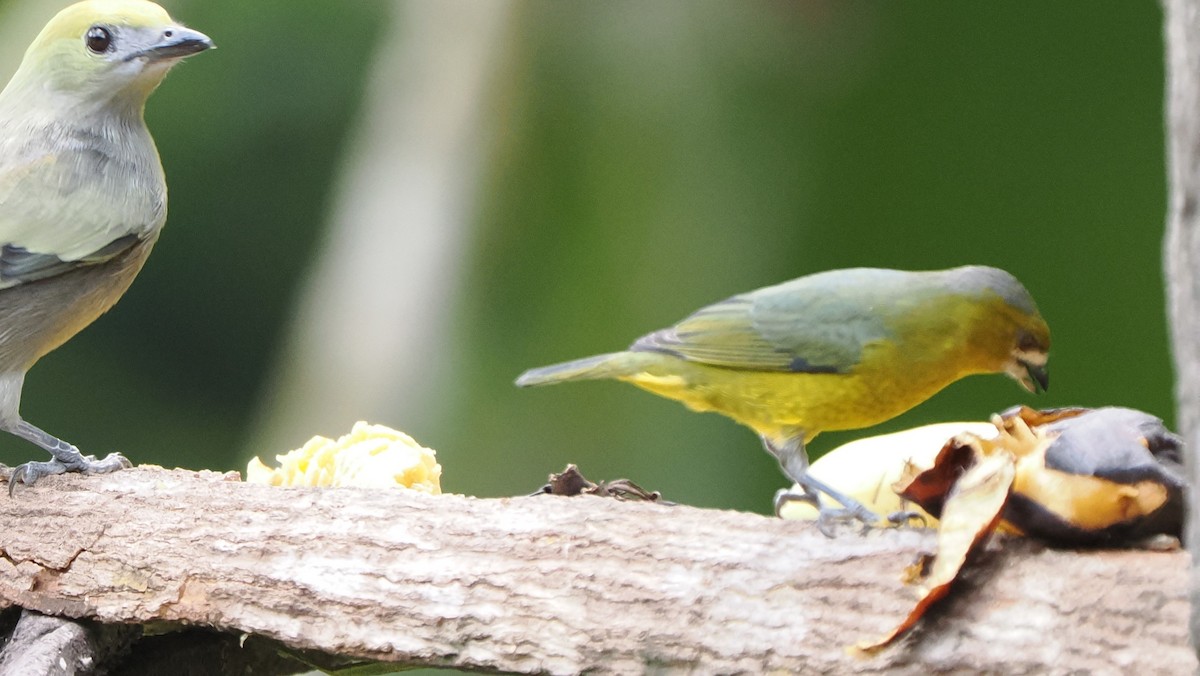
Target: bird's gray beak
<point>1036,378</point>
<point>177,43</point>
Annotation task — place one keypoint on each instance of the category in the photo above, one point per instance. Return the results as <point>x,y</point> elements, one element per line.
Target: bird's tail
<point>598,367</point>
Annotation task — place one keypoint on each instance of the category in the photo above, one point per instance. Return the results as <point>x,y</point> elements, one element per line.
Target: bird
<point>82,191</point>
<point>835,350</point>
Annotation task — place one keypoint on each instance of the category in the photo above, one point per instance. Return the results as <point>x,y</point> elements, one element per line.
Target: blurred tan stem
<point>368,336</point>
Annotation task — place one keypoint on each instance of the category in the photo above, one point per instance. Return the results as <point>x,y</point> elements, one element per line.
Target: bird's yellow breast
<point>779,403</point>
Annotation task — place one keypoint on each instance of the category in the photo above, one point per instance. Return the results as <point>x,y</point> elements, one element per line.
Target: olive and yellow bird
<point>82,193</point>
<point>837,350</point>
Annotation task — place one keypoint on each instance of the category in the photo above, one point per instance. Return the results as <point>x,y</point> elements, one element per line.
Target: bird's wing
<point>54,217</point>
<point>793,327</point>
<point>18,265</point>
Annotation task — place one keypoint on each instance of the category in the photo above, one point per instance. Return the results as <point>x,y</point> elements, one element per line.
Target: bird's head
<point>1009,332</point>
<point>102,53</point>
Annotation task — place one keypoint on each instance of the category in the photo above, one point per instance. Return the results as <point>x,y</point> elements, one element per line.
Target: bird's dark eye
<point>1026,342</point>
<point>98,39</point>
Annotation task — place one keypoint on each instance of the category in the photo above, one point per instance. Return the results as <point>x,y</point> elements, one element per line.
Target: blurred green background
<point>388,210</point>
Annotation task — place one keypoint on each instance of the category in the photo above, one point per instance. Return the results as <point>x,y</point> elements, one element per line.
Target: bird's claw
<point>30,472</point>
<point>903,517</point>
<point>783,496</point>
<point>827,517</point>
<point>111,463</point>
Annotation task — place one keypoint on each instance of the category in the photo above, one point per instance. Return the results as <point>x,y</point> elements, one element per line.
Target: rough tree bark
<point>1182,244</point>
<point>561,585</point>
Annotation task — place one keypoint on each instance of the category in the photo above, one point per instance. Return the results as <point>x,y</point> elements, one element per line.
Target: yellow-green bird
<point>836,350</point>
<point>82,193</point>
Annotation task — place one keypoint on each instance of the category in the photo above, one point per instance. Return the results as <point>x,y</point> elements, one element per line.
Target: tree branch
<point>1181,253</point>
<point>552,584</point>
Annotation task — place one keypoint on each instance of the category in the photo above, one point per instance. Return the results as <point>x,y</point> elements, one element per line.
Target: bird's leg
<point>67,457</point>
<point>793,460</point>
<point>794,463</point>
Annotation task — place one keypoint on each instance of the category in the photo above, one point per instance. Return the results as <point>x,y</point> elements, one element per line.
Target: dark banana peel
<point>1084,477</point>
<point>1068,477</point>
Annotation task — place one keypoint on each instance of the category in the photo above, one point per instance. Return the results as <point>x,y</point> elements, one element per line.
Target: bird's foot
<point>827,517</point>
<point>30,472</point>
<point>903,517</point>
